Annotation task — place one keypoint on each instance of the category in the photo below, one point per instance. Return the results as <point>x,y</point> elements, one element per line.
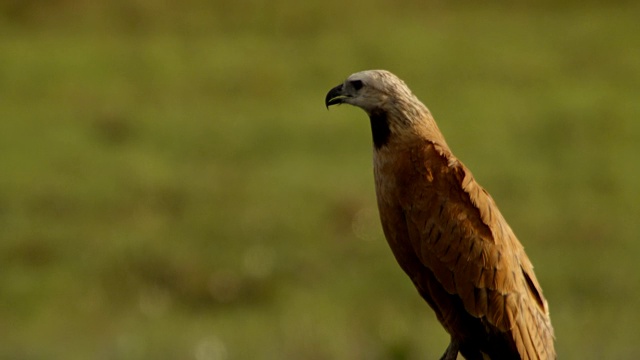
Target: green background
<point>172,187</point>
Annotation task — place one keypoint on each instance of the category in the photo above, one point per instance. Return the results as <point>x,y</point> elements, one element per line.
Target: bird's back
<point>449,236</point>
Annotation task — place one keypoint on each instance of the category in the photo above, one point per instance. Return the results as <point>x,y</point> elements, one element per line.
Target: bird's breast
<point>393,174</point>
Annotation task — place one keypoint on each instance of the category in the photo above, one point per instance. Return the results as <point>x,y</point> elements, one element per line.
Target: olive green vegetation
<point>172,187</point>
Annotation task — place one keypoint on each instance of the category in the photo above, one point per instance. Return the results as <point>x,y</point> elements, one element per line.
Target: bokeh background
<point>172,187</point>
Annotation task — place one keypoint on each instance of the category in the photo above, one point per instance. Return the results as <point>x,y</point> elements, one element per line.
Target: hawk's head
<point>371,90</point>
<point>393,110</point>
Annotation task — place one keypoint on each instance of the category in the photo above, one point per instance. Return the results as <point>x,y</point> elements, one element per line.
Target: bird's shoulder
<point>458,231</point>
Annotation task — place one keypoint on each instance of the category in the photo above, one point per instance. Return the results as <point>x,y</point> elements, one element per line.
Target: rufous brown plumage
<point>446,231</point>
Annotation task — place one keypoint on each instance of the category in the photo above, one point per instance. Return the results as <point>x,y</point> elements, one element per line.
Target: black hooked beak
<point>335,96</point>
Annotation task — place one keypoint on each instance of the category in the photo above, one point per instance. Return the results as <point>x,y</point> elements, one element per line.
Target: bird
<point>445,230</point>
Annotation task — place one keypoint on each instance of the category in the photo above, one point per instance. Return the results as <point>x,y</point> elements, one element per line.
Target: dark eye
<point>357,84</point>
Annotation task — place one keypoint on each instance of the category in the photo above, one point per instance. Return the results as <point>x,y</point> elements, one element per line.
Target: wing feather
<point>464,240</point>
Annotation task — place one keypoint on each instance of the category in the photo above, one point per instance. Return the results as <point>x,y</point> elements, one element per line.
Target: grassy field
<point>172,187</point>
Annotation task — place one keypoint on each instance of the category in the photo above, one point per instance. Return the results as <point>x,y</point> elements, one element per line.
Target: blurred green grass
<point>172,186</point>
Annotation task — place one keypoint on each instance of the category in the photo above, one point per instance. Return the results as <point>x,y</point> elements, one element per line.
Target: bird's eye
<point>357,84</point>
